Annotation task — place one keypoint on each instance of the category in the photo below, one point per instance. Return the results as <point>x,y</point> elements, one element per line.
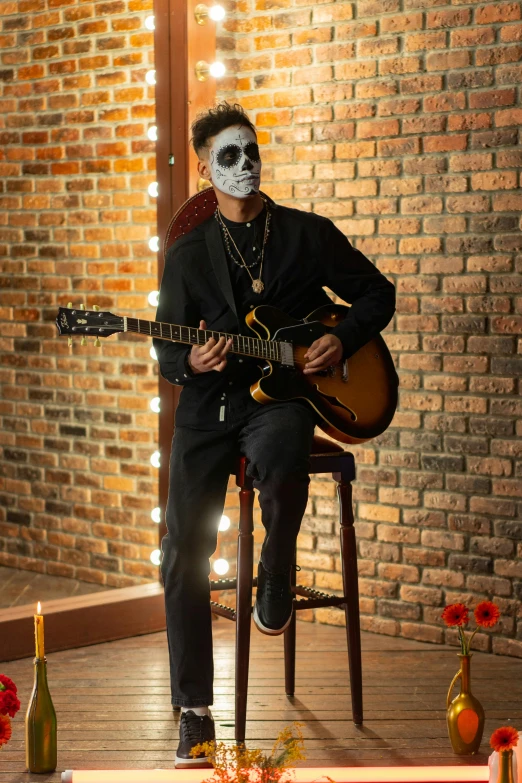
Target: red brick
<point>497,12</point>
<point>415,42</point>
<point>444,61</point>
<point>474,36</point>
<point>371,129</point>
<point>445,143</point>
<point>402,22</point>
<point>455,17</point>
<point>400,65</point>
<point>508,117</point>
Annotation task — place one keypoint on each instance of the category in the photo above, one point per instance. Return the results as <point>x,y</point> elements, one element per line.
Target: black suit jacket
<point>304,253</point>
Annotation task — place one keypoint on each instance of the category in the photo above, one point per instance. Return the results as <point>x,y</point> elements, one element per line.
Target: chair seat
<point>322,445</point>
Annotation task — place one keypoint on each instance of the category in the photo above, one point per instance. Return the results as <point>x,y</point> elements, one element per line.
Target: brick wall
<point>77,432</point>
<point>398,119</point>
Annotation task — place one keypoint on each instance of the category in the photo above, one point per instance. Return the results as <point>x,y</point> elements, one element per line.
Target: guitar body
<point>354,400</point>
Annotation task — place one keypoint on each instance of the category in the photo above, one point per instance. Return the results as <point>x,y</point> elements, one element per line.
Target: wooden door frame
<point>179,42</point>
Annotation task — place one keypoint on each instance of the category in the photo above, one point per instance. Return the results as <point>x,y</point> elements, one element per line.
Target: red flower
<point>455,614</point>
<point>7,683</point>
<point>487,614</point>
<point>5,730</point>
<point>504,738</point>
<point>9,703</point>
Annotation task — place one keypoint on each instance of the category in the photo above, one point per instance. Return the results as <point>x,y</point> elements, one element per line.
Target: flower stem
<point>462,641</point>
<point>471,638</point>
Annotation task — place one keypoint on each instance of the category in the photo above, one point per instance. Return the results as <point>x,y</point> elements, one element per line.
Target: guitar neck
<point>246,346</point>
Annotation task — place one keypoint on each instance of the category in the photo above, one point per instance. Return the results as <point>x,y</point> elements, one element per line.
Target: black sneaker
<point>274,601</point>
<point>193,730</point>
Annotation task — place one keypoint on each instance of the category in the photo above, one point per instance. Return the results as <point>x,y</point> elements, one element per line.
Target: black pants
<point>277,440</point>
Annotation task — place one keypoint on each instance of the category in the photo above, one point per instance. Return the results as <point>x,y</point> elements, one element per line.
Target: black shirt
<point>248,239</point>
<point>304,253</point>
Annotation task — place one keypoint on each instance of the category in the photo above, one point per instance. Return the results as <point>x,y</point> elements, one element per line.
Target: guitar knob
<point>82,307</point>
<point>69,342</point>
<point>69,304</point>
<point>83,341</point>
<point>97,343</point>
<point>95,307</point>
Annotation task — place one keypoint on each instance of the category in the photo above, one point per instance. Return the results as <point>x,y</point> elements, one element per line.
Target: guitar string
<point>255,347</point>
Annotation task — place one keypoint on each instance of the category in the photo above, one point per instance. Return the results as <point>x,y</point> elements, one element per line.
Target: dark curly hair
<point>214,120</point>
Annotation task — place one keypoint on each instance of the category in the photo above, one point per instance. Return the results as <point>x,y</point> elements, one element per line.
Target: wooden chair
<point>326,457</point>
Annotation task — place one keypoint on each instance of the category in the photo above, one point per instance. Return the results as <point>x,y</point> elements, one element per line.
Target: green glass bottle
<point>40,724</point>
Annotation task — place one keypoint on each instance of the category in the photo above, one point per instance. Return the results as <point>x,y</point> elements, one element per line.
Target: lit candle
<point>39,631</point>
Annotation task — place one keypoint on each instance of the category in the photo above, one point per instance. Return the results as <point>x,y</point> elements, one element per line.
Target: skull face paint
<point>235,163</point>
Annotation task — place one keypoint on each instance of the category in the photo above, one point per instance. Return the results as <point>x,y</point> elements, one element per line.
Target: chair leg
<point>289,639</point>
<point>245,564</point>
<point>351,593</point>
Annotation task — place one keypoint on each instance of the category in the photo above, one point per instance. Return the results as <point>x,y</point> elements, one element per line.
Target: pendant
<point>258,286</point>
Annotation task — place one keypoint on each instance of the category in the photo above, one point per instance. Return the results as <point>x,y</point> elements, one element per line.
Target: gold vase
<point>464,716</point>
<point>505,767</point>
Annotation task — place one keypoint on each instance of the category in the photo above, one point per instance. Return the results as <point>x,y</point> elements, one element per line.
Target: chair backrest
<point>194,211</point>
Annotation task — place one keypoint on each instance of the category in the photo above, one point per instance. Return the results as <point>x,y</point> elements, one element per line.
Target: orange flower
<point>487,614</point>
<point>455,614</point>
<point>5,730</point>
<point>504,738</point>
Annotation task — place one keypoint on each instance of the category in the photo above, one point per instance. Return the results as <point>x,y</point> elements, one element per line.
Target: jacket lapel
<point>217,255</point>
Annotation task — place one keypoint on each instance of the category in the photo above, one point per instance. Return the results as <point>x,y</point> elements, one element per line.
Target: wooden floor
<point>18,587</point>
<point>113,701</point>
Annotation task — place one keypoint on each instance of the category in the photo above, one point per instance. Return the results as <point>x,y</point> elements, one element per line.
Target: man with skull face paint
<point>235,163</point>
<point>250,252</point>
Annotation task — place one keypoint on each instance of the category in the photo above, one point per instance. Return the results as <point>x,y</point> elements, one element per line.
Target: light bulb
<point>155,404</point>
<point>155,557</point>
<point>153,189</point>
<point>155,515</point>
<point>150,77</point>
<point>154,244</point>
<point>155,459</point>
<point>149,23</point>
<point>217,70</point>
<point>221,566</point>
<point>152,133</point>
<point>153,297</point>
<point>224,523</point>
<point>216,13</point>
<point>153,354</point>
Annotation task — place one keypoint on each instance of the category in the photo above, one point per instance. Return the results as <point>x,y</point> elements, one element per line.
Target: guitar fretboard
<point>247,346</point>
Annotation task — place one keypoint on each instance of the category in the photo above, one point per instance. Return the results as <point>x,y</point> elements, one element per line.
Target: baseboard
<point>84,620</point>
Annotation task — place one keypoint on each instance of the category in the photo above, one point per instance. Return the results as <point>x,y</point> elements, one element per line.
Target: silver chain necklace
<point>257,284</point>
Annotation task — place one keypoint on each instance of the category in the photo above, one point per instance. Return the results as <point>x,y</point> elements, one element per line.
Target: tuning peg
<point>82,307</point>
<point>95,308</point>
<point>97,343</point>
<point>83,341</point>
<point>69,342</point>
<point>69,304</point>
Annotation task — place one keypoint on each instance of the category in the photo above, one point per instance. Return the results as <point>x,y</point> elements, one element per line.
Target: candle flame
<point>39,608</point>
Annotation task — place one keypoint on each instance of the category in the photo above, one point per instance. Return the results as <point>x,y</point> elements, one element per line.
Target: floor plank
<point>113,701</point>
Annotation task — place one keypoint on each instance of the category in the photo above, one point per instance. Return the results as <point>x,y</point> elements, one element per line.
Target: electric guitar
<point>355,400</point>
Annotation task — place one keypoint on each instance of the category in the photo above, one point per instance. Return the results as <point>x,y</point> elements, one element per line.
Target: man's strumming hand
<point>325,351</point>
<point>211,356</point>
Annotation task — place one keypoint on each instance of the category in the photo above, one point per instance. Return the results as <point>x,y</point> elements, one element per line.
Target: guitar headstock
<point>77,320</point>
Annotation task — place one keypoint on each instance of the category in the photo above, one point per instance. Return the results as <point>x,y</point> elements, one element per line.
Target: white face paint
<point>235,163</point>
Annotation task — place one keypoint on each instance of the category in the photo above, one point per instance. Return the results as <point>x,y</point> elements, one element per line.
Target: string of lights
<point>203,71</point>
